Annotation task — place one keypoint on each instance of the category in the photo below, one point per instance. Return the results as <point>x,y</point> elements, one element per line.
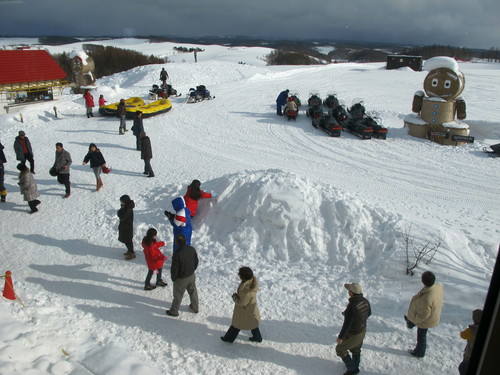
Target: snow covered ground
<point>305,211</point>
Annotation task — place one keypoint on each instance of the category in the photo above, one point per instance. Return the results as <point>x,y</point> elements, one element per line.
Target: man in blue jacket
<point>281,101</point>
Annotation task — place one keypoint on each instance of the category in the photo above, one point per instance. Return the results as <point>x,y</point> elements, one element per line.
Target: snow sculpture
<point>83,69</point>
<point>437,107</point>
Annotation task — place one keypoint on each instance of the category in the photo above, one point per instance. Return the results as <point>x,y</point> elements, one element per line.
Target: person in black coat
<point>23,150</point>
<point>146,154</point>
<point>96,163</point>
<point>353,330</point>
<point>184,263</point>
<point>126,225</point>
<point>281,101</point>
<point>3,160</point>
<point>137,129</point>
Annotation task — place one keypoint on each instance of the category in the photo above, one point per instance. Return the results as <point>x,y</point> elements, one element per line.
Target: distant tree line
<point>109,60</point>
<point>492,55</point>
<point>186,50</point>
<point>282,57</point>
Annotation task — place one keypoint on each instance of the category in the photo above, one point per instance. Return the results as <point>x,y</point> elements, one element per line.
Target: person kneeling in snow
<point>194,194</point>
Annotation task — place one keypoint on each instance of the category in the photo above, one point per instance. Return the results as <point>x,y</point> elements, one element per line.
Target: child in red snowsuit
<point>154,258</point>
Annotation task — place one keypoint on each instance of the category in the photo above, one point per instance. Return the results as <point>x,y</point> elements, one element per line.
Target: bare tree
<point>418,252</point>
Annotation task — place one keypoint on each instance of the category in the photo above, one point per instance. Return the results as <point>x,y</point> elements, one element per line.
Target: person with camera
<point>61,167</point>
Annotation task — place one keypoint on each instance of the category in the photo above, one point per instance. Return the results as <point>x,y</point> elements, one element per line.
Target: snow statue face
<point>444,79</point>
<point>443,83</point>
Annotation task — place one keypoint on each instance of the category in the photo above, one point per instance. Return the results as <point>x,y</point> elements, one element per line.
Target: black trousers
<point>63,179</point>
<point>29,157</point>
<point>233,332</point>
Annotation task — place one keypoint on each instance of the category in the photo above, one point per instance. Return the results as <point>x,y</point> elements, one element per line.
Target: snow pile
<point>441,62</point>
<point>283,217</point>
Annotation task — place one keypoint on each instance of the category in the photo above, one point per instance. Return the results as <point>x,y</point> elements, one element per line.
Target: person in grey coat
<point>62,164</point>
<point>23,150</point>
<point>137,129</point>
<point>28,187</point>
<point>146,154</point>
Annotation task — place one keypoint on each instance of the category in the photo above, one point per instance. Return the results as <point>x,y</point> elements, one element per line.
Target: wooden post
<point>21,116</point>
<point>55,111</point>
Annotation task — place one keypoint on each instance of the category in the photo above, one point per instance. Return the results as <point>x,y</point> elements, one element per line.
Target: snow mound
<point>281,216</point>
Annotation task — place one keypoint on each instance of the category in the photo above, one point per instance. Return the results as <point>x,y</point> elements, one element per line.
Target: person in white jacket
<point>425,311</point>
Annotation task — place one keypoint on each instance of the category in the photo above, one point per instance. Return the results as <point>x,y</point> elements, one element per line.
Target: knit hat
<point>21,133</point>
<point>354,287</point>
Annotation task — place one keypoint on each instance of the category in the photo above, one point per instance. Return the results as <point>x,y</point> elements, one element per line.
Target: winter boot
<point>129,256</point>
<point>356,359</point>
<point>3,195</point>
<point>99,184</point>
<point>350,365</point>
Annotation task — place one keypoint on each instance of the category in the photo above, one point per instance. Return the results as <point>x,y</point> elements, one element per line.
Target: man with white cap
<point>353,330</point>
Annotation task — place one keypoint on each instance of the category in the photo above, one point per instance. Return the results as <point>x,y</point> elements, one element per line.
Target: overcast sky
<point>467,23</point>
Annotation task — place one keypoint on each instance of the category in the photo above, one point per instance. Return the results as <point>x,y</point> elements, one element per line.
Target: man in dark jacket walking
<point>353,330</point>
<point>184,263</point>
<point>146,154</point>
<point>61,164</point>
<point>122,111</point>
<point>22,147</point>
<point>3,160</point>
<point>137,129</point>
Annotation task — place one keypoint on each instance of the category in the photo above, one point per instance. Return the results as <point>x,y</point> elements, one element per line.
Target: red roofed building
<point>28,75</point>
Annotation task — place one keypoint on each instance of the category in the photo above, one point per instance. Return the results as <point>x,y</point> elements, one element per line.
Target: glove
<point>169,215</point>
<point>214,195</point>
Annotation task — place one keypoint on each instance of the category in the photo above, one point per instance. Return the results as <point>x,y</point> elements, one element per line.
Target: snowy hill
<point>305,211</point>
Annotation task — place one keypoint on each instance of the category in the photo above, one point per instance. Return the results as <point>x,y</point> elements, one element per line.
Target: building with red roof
<point>28,75</point>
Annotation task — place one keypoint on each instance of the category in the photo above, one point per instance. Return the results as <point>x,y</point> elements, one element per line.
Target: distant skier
<point>281,101</point>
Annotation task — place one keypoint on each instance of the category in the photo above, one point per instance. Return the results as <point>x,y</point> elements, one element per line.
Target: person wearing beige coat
<point>246,313</point>
<point>425,311</point>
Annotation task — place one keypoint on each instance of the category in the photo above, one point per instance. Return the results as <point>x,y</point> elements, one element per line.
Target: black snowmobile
<point>328,124</point>
<point>164,92</point>
<point>314,110</point>
<point>495,152</point>
<point>331,101</point>
<point>199,94</point>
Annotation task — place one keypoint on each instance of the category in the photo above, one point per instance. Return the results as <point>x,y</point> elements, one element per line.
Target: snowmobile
<point>291,110</point>
<point>199,94</point>
<point>314,100</point>
<point>361,119</point>
<point>331,101</point>
<point>163,92</point>
<point>328,124</point>
<point>495,152</point>
<point>314,110</point>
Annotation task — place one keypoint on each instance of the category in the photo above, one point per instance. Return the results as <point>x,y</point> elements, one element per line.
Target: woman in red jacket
<point>194,194</point>
<point>89,103</point>
<point>154,258</point>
